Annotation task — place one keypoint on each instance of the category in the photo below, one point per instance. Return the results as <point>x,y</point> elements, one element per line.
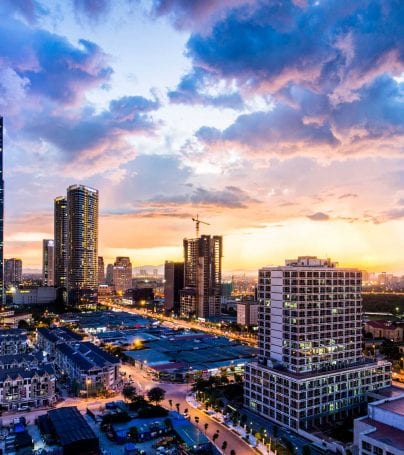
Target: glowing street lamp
<point>88,383</point>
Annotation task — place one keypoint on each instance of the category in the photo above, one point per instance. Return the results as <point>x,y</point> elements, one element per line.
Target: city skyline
<point>172,110</point>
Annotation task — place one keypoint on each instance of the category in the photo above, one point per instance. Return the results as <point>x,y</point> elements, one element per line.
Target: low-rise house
<point>25,360</point>
<point>32,387</point>
<point>48,339</point>
<point>13,341</point>
<point>87,366</point>
<point>385,329</point>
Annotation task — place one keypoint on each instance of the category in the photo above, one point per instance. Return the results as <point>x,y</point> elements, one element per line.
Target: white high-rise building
<point>310,369</point>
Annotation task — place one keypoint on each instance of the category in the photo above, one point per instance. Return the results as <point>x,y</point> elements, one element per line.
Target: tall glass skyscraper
<point>1,216</point>
<point>82,245</point>
<point>60,242</point>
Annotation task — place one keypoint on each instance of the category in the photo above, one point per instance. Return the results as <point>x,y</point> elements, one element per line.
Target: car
<point>24,409</point>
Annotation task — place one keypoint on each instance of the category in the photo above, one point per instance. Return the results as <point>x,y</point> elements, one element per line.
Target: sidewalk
<point>240,431</point>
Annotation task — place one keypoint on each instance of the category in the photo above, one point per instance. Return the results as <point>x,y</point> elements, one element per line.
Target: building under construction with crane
<point>201,295</point>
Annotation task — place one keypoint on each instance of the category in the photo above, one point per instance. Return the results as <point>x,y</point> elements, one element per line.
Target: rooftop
<point>380,324</point>
<point>70,425</point>
<point>386,434</point>
<point>394,405</point>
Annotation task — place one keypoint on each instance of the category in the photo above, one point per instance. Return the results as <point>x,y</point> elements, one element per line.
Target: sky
<point>279,122</point>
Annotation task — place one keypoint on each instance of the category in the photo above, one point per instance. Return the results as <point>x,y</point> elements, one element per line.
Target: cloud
<point>347,195</point>
<point>304,122</point>
<point>328,68</point>
<point>29,10</point>
<point>92,9</point>
<point>195,13</point>
<point>319,216</point>
<point>193,89</point>
<point>231,197</point>
<point>281,131</point>
<point>324,46</point>
<point>53,67</point>
<point>96,142</point>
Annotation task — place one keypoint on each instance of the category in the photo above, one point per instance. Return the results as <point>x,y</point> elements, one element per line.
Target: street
<point>177,393</point>
<point>174,322</point>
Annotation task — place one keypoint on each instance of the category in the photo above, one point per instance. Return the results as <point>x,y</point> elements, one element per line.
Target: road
<point>177,393</point>
<point>184,324</point>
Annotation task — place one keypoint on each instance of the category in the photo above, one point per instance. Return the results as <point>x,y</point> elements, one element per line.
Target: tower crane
<point>197,223</point>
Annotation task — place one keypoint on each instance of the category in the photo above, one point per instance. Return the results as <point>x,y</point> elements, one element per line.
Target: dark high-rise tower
<point>60,242</point>
<point>173,283</point>
<point>101,270</point>
<point>1,216</point>
<point>202,276</point>
<point>82,251</point>
<point>48,276</point>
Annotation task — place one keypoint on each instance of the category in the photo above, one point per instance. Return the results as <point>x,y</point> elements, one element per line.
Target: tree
<point>156,395</point>
<point>306,450</point>
<point>206,426</point>
<point>215,436</point>
<point>224,445</point>
<point>133,433</point>
<point>129,393</point>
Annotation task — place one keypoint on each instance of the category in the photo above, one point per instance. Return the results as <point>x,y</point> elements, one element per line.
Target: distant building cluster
<point>193,289</point>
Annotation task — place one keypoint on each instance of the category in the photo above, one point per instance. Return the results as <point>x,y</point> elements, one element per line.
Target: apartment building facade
<point>310,369</point>
<point>33,387</point>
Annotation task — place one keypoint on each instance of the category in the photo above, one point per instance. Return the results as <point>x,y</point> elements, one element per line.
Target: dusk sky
<point>281,123</point>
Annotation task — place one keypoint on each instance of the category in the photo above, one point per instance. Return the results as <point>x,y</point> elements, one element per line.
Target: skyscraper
<point>1,216</point>
<point>122,274</point>
<point>109,275</point>
<point>60,241</point>
<point>173,283</point>
<point>47,262</point>
<point>12,271</point>
<point>101,270</point>
<point>201,295</point>
<point>310,367</point>
<point>82,245</point>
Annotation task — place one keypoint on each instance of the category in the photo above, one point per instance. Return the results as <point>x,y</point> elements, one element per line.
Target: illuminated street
<point>173,322</point>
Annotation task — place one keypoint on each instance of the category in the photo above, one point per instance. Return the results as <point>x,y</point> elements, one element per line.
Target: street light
<point>88,382</point>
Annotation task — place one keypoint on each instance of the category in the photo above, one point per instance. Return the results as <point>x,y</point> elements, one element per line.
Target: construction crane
<point>197,223</point>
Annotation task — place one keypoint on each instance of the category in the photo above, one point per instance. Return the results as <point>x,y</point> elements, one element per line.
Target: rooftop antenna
<point>197,223</point>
